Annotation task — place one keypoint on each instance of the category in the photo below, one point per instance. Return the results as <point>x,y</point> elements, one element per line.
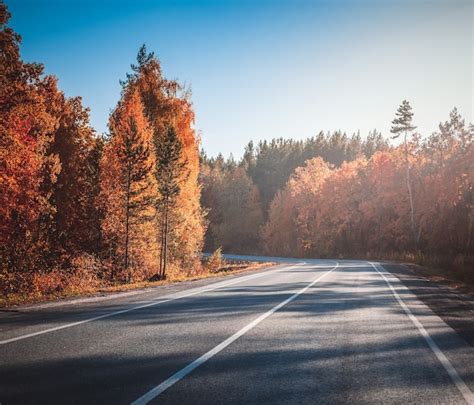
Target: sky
<point>265,68</point>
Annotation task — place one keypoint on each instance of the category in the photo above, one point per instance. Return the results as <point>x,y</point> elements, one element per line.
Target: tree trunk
<point>127,222</point>
<point>416,235</point>
<point>165,240</point>
<point>469,233</point>
<point>160,271</point>
<point>162,241</point>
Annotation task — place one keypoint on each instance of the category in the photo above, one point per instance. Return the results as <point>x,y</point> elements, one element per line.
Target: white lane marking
<point>200,290</point>
<point>453,374</point>
<point>153,393</point>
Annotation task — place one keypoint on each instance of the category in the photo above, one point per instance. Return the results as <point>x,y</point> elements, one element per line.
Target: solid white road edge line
<point>153,393</point>
<point>453,374</point>
<point>199,290</point>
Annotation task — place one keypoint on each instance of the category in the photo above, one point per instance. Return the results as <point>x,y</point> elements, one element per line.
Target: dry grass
<point>453,270</point>
<point>442,276</point>
<point>83,290</point>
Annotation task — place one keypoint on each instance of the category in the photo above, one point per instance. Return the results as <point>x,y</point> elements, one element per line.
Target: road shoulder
<point>160,287</point>
<point>453,307</point>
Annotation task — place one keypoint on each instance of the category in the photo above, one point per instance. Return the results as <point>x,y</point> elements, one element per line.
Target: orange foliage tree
<point>166,104</point>
<point>75,221</point>
<point>363,208</point>
<point>295,207</point>
<point>27,168</point>
<point>128,191</point>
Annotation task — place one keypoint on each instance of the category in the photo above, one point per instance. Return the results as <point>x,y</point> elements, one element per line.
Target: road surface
<point>314,331</point>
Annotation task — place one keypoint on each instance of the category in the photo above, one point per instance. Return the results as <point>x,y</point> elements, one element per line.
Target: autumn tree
<point>279,234</point>
<point>28,119</point>
<point>294,213</point>
<point>166,103</point>
<point>75,226</point>
<point>128,191</point>
<point>402,125</point>
<point>448,178</point>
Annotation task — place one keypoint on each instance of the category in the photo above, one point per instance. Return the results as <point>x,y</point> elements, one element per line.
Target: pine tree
<point>169,173</point>
<point>135,156</point>
<point>128,191</point>
<point>402,124</point>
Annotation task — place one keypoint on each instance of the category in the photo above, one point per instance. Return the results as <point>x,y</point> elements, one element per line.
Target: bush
<point>79,276</point>
<point>83,274</point>
<point>46,283</point>
<point>216,261</point>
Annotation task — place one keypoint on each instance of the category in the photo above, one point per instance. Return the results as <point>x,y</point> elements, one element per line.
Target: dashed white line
<point>197,291</point>
<point>153,393</point>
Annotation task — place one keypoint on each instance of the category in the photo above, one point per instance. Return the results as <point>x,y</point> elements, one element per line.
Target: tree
<point>75,225</point>
<point>294,218</point>
<point>234,207</point>
<point>447,202</point>
<point>166,103</point>
<point>402,124</point>
<point>279,234</point>
<point>169,172</point>
<point>238,202</point>
<point>28,119</point>
<point>128,190</point>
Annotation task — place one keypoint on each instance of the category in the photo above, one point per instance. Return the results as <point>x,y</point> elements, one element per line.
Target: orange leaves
<point>363,206</point>
<point>130,196</point>
<point>128,190</point>
<point>27,167</point>
<point>166,104</point>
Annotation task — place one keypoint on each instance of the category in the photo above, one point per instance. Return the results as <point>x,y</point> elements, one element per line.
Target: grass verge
<point>15,300</point>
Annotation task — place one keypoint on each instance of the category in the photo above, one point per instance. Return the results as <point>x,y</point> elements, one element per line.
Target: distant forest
<point>335,195</point>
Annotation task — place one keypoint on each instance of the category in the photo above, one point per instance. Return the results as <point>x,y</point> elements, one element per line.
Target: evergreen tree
<point>128,191</point>
<point>135,156</point>
<point>402,124</point>
<point>169,173</point>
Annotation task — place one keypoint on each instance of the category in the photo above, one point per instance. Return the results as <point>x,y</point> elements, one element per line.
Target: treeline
<point>75,207</point>
<point>349,198</point>
<point>238,195</point>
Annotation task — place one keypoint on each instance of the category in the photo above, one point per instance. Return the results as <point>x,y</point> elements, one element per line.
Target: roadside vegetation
<point>63,285</point>
<point>81,211</point>
<point>351,198</point>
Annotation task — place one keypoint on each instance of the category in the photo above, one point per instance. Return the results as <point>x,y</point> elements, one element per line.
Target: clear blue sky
<point>262,69</point>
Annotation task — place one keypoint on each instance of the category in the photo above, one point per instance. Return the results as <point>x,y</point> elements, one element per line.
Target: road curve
<point>312,331</point>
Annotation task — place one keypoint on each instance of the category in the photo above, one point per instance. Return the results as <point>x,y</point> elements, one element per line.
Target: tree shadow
<point>341,341</point>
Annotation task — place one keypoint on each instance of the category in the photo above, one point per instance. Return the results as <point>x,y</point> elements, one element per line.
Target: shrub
<point>216,261</point>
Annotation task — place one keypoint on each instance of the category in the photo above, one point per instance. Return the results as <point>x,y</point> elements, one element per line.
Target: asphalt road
<point>318,331</point>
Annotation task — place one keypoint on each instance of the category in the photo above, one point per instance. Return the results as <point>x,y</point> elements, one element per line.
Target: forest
<point>401,197</point>
<point>80,209</point>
